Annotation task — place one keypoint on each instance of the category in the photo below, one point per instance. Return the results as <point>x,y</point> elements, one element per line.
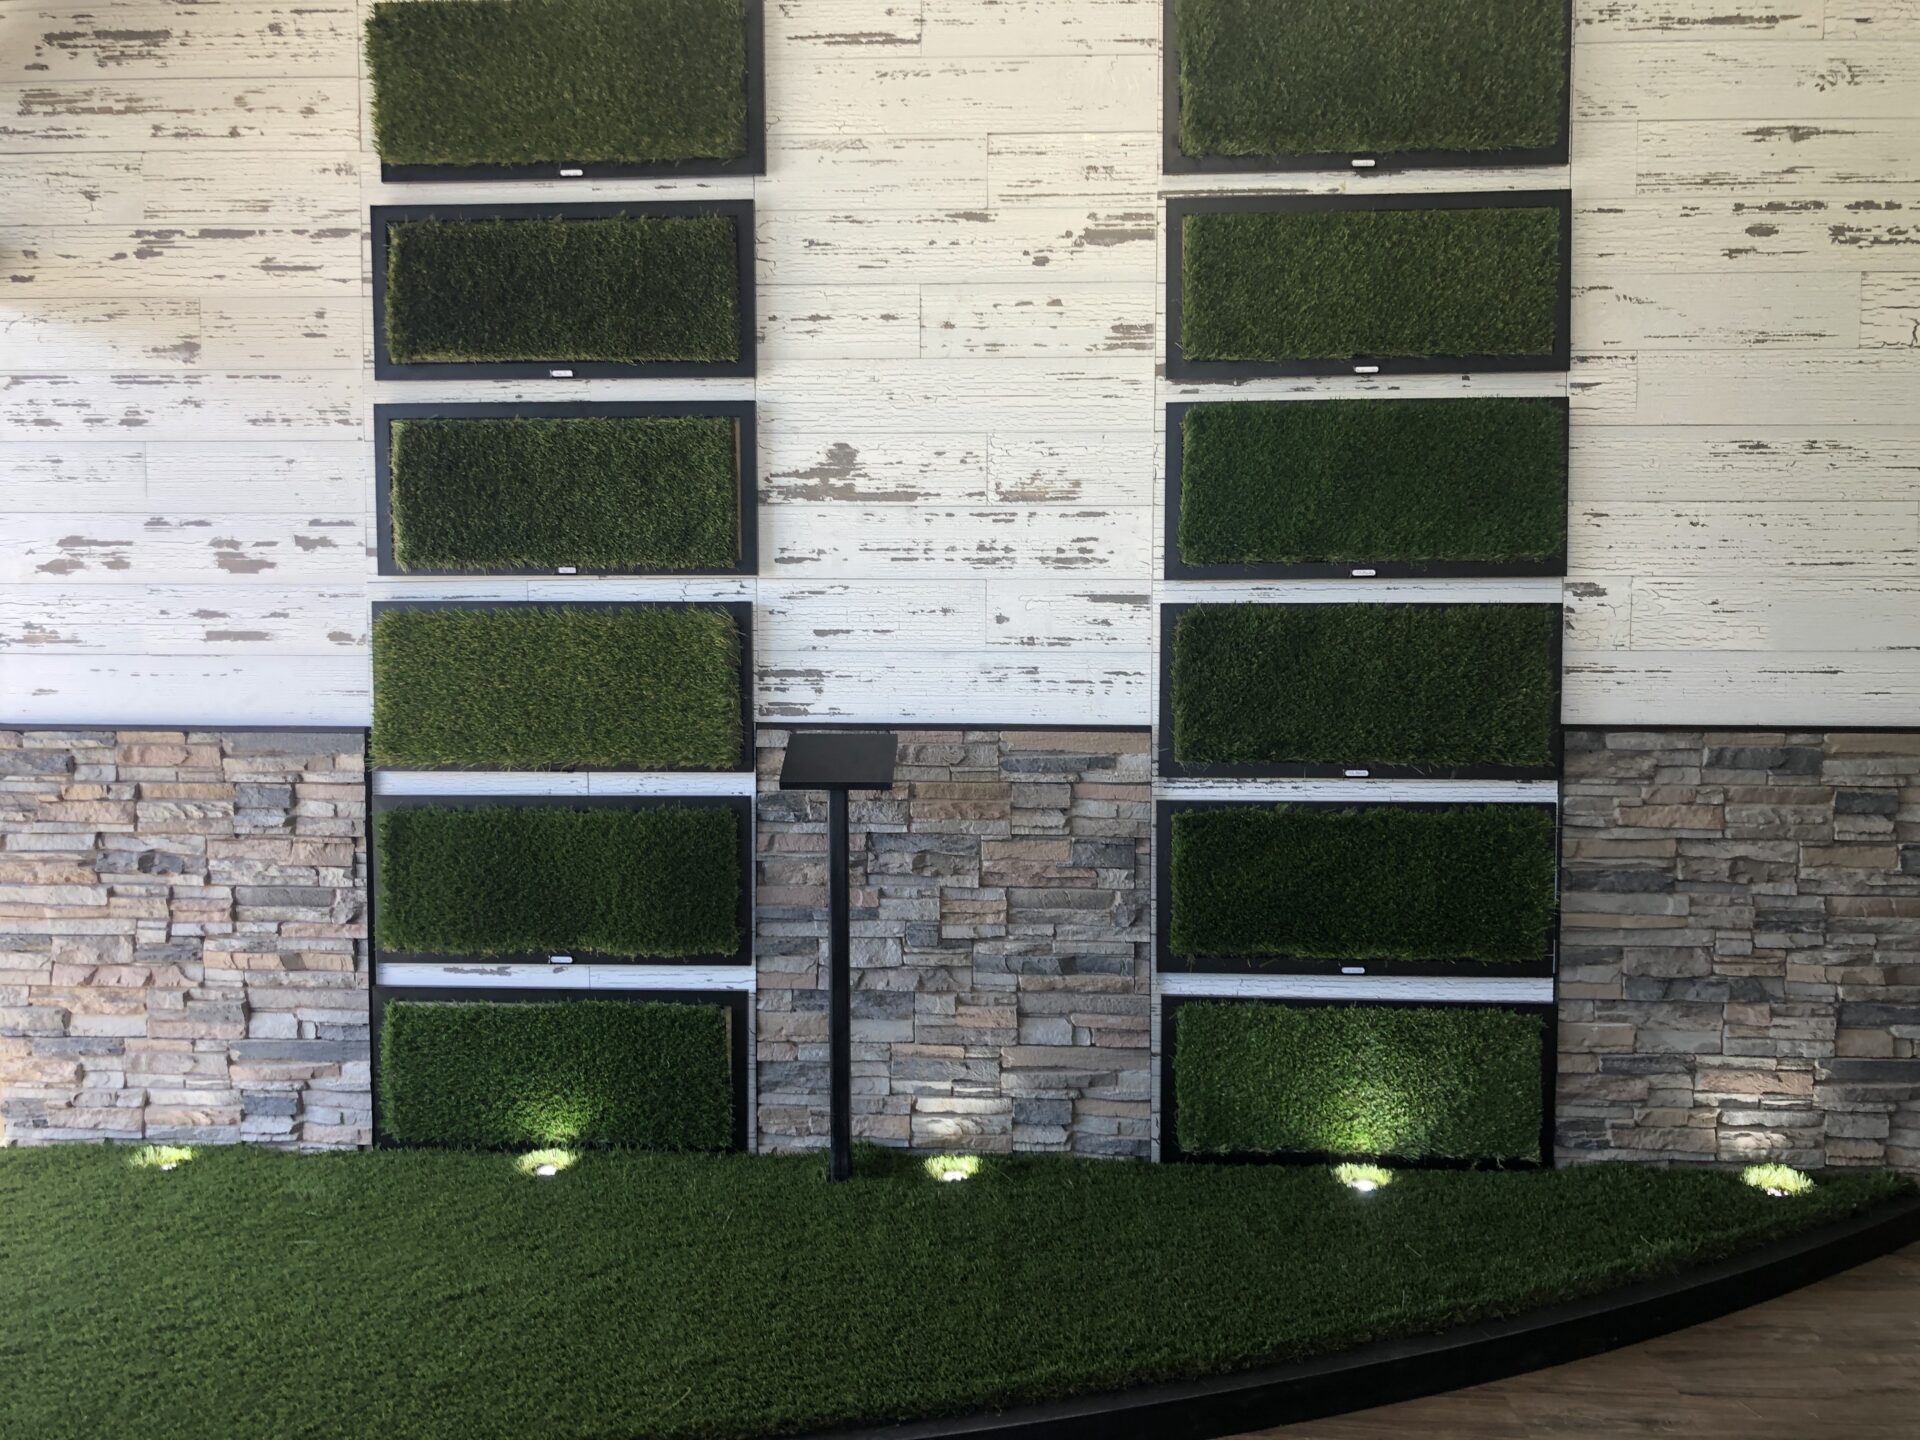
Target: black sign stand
<point>837,763</point>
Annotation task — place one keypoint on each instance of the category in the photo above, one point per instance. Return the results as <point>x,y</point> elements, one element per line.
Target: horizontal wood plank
<point>1759,611</point>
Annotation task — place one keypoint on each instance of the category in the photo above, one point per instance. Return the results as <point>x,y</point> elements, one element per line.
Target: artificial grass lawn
<point>1375,882</point>
<point>642,687</point>
<point>628,493</point>
<point>1444,686</point>
<point>1361,1081</point>
<point>649,1074</point>
<point>440,1295</point>
<point>623,289</point>
<point>528,82</point>
<point>1316,77</point>
<point>1339,284</point>
<point>658,882</point>
<point>1357,481</point>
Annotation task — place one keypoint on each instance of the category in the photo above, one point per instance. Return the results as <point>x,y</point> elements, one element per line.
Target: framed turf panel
<point>509,1070</point>
<point>519,685</point>
<point>1407,1084</point>
<point>1338,489</point>
<point>1367,284</point>
<point>1356,888</point>
<point>1371,85</point>
<point>1353,691</point>
<point>598,489</point>
<point>526,879</point>
<point>567,89</point>
<point>563,292</point>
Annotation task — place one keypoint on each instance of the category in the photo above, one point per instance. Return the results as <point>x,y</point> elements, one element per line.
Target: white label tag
<point>569,569</point>
<point>1353,969</point>
<point>561,374</point>
<point>560,959</point>
<point>1358,774</point>
<point>1364,572</point>
<point>1366,369</point>
<point>575,174</point>
<point>1364,164</point>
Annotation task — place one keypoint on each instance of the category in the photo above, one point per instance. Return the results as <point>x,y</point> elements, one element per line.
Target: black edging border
<point>752,162</point>
<point>1179,207</point>
<point>735,1002</point>
<point>739,211</point>
<point>740,610</point>
<point>746,474</point>
<point>1170,768</point>
<point>1175,568</point>
<point>1175,161</point>
<point>740,805</point>
<point>1386,1371</point>
<point>1168,962</point>
<point>1170,1152</point>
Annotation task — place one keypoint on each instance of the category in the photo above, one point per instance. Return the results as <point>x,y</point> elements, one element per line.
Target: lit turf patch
<point>1316,77</point>
<point>619,289</point>
<point>524,82</point>
<point>1366,481</point>
<point>619,493</point>
<point>1338,284</point>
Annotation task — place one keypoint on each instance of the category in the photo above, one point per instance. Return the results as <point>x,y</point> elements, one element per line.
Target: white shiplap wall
<point>960,316</point>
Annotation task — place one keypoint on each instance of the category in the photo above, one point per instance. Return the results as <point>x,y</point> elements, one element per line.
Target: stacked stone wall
<point>182,937</point>
<point>1001,941</point>
<point>1740,964</point>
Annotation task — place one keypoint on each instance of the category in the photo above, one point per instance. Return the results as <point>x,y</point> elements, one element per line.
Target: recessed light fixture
<point>949,1168</point>
<point>545,1164</point>
<point>1779,1181</point>
<point>1363,1179</point>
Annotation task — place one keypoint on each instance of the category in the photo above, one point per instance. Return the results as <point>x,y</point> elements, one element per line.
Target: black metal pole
<point>840,984</point>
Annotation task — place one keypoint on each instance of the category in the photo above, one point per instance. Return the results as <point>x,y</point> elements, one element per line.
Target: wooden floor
<point>1836,1359</point>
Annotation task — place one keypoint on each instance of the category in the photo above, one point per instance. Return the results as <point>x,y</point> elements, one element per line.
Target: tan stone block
<point>1850,857</point>
<point>176,790</point>
<point>16,870</point>
<point>1106,790</point>
<point>1903,743</point>
<point>1712,1080</point>
<point>1673,817</point>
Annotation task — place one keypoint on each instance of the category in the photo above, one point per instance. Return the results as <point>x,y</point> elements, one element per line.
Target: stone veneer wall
<point>182,937</point>
<point>1001,946</point>
<point>1740,963</point>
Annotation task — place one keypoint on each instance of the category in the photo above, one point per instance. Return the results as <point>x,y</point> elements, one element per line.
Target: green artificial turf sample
<point>1441,686</point>
<point>444,1295</point>
<point>619,493</point>
<point>1340,284</point>
<point>1469,882</point>
<point>1318,77</point>
<point>1362,1081</point>
<point>530,82</point>
<point>660,882</point>
<point>621,289</point>
<point>563,1072</point>
<point>640,687</point>
<point>1359,481</point>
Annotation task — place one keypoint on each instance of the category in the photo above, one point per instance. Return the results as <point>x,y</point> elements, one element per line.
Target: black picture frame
<point>753,162</point>
<point>1167,962</point>
<point>1172,1153</point>
<point>1179,207</point>
<point>735,1002</point>
<point>746,472</point>
<point>1361,768</point>
<point>741,806</point>
<point>1175,568</point>
<point>1175,161</point>
<point>739,211</point>
<point>740,610</point>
